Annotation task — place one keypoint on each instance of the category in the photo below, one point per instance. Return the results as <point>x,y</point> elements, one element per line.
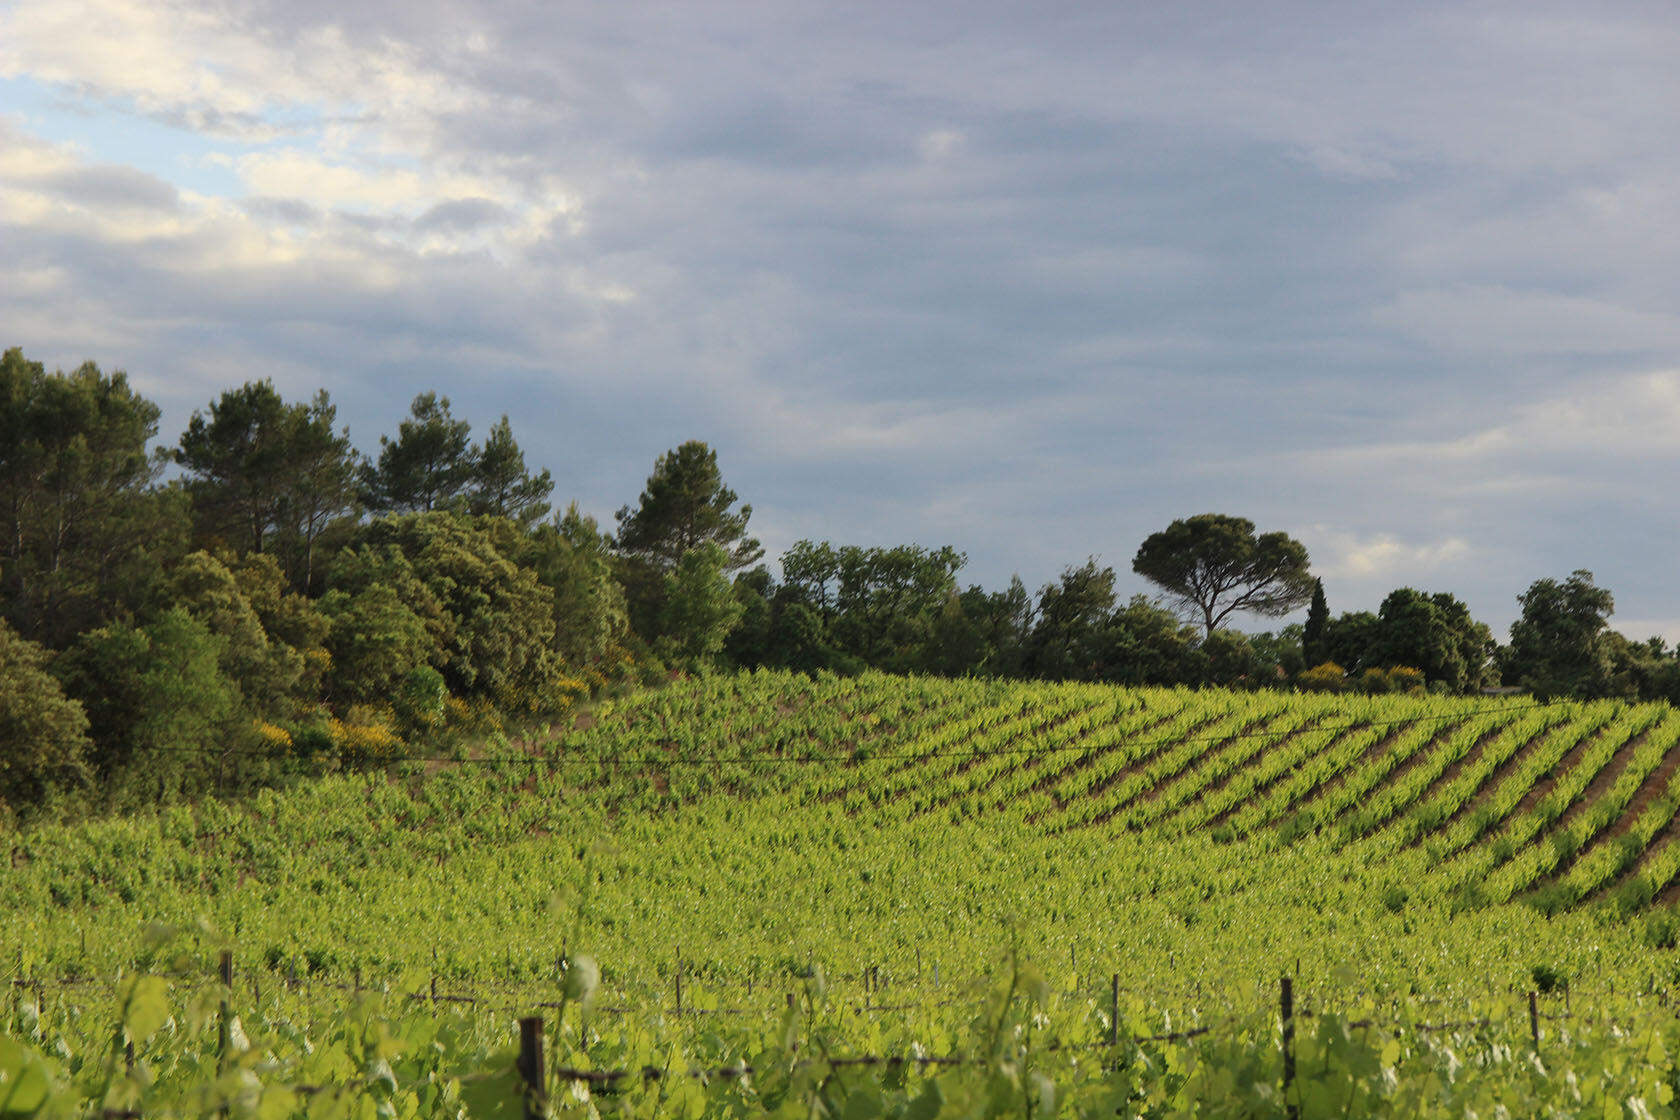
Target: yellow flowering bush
<point>366,742</point>
<point>1328,677</point>
<point>274,738</point>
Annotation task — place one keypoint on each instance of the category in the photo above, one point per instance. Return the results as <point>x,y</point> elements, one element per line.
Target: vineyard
<point>886,896</point>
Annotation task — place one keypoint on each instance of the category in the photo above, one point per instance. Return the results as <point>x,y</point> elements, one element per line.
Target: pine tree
<point>502,486</point>
<point>429,465</point>
<point>685,506</point>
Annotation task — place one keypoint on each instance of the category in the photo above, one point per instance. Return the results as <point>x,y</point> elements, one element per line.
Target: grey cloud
<point>111,186</point>
<point>281,211</point>
<point>461,215</point>
<point>1164,259</point>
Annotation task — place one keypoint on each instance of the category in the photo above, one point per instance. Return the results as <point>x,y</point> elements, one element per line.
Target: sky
<point>1027,280</point>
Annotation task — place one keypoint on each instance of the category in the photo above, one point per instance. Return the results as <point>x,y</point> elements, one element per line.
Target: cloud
<point>106,186</point>
<point>1613,421</point>
<point>1035,280</point>
<point>462,215</point>
<point>1380,557</point>
<point>1499,321</point>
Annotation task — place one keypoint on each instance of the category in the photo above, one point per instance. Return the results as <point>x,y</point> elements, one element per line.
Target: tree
<point>43,734</point>
<point>749,643</point>
<point>887,601</point>
<point>572,557</point>
<point>700,607</point>
<point>164,716</point>
<point>1229,659</point>
<point>684,506</point>
<point>501,486</point>
<point>1066,641</point>
<point>1148,644</point>
<point>1313,649</point>
<point>84,529</point>
<point>1004,620</point>
<point>274,670</point>
<point>321,484</point>
<point>1431,633</point>
<point>264,469</point>
<point>1646,670</point>
<point>377,641</point>
<point>490,620</point>
<point>1213,564</point>
<point>811,573</point>
<point>799,641</point>
<point>956,646</point>
<point>1280,651</point>
<point>1555,645</point>
<point>429,465</point>
<point>1349,639</point>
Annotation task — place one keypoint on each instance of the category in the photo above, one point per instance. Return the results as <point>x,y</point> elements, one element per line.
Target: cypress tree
<point>1318,622</point>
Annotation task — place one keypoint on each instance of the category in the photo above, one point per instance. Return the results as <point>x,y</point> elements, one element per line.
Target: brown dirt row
<point>1398,771</point>
<point>1568,762</point>
<point>1668,834</point>
<point>1261,790</point>
<point>1029,760</point>
<point>1370,755</point>
<point>1052,776</point>
<point>1096,791</point>
<point>1457,766</point>
<point>900,769</point>
<point>1055,777</point>
<point>918,769</point>
<point>1601,783</point>
<point>1649,788</point>
<point>1495,777</point>
<point>1206,758</point>
<point>1417,757</point>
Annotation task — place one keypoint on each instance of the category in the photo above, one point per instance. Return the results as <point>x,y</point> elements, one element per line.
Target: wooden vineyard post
<point>1286,1001</point>
<point>531,1067</point>
<point>224,1029</point>
<point>1534,1020</point>
<point>679,985</point>
<point>1114,1010</point>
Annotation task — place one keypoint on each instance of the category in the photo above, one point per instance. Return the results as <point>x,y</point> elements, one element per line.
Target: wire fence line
<point>519,999</point>
<point>560,758</point>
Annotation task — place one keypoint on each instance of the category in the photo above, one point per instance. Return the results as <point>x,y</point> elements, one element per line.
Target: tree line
<point>260,600</point>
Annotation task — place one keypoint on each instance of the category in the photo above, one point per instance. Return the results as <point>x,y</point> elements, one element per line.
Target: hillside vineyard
<point>887,896</point>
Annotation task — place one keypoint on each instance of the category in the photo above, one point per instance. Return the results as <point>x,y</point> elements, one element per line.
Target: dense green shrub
<point>43,733</point>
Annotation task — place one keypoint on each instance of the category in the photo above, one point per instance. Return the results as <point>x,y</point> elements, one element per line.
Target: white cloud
<point>1605,418</point>
<point>292,174</point>
<point>1373,558</point>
